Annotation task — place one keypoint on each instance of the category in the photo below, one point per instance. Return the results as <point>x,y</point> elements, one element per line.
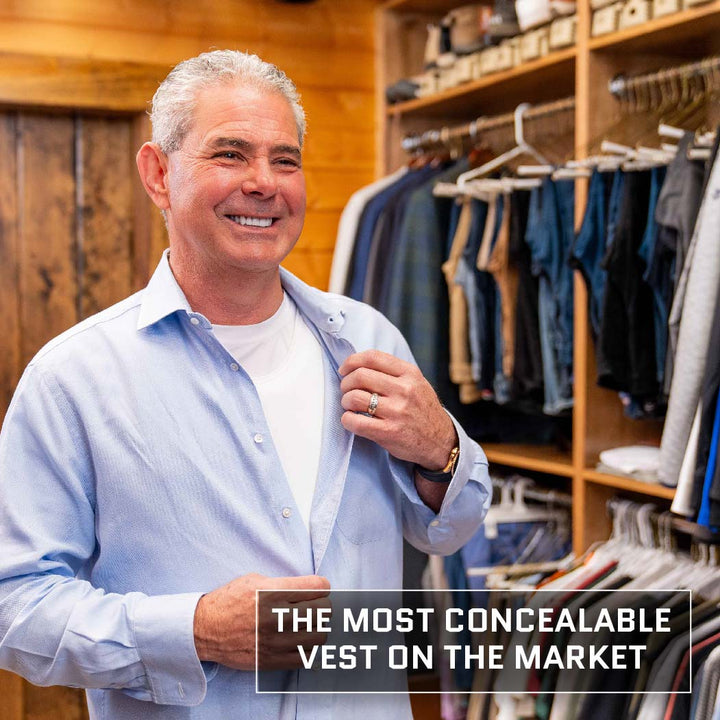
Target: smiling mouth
<point>261,222</point>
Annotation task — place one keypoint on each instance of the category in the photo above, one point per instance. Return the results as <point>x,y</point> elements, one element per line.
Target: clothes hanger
<point>513,509</point>
<point>522,147</point>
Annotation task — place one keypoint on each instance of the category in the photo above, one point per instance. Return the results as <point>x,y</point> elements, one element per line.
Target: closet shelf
<point>541,458</point>
<point>547,78</point>
<point>629,484</point>
<point>665,33</point>
<point>434,6</point>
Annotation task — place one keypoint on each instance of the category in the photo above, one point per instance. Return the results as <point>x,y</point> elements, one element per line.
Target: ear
<point>152,165</point>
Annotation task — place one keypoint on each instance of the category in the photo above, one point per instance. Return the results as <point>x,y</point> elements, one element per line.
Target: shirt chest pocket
<point>369,511</point>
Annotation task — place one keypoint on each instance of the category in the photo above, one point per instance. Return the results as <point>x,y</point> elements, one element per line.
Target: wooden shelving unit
<point>585,70</point>
<point>629,484</point>
<point>541,458</point>
<point>523,82</point>
<point>694,24</point>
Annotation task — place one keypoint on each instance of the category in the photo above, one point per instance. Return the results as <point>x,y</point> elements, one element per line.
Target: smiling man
<point>226,429</point>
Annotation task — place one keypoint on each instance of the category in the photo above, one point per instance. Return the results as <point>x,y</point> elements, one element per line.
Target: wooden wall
<point>76,232</point>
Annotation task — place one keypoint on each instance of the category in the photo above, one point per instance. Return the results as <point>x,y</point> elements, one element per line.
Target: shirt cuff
<point>163,626</point>
<point>471,467</point>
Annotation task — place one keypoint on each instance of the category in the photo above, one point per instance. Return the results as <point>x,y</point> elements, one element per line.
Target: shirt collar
<point>163,296</point>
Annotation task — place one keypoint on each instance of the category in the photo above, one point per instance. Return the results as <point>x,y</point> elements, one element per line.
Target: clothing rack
<point>708,70</point>
<point>470,131</point>
<point>663,522</point>
<point>531,492</point>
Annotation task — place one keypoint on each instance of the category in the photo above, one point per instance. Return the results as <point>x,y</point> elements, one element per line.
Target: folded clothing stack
<point>639,461</point>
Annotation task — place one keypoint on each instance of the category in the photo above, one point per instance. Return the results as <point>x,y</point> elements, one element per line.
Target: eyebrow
<point>241,144</point>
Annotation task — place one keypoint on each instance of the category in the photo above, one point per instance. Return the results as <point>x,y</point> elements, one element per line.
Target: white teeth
<point>254,221</point>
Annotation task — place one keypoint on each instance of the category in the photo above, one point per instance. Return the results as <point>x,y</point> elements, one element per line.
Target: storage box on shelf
<point>610,16</point>
<point>666,38</point>
<point>510,53</point>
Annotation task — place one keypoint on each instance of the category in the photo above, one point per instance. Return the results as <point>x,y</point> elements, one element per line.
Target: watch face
<point>455,461</point>
<point>452,460</point>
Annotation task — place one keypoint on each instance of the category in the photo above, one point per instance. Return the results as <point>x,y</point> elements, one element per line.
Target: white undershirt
<point>284,360</point>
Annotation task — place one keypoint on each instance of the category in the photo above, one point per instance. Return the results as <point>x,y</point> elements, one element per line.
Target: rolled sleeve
<point>163,626</point>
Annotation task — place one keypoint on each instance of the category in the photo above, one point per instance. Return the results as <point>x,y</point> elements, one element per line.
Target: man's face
<point>236,188</point>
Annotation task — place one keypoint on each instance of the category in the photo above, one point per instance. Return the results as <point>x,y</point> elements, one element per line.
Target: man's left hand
<point>409,421</point>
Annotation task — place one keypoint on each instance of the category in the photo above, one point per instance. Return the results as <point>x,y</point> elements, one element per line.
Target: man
<point>226,429</point>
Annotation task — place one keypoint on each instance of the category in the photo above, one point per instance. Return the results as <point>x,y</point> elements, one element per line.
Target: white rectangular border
<point>477,692</point>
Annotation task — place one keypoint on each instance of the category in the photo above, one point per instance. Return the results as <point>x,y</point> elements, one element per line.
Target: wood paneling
<point>105,212</point>
<point>36,80</point>
<point>329,189</point>
<point>54,703</point>
<point>10,362</point>
<point>48,271</point>
<point>312,266</point>
<point>341,67</point>
<point>319,231</point>
<point>327,23</point>
<point>11,697</point>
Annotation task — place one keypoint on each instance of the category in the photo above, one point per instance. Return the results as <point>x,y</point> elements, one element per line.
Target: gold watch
<point>446,474</point>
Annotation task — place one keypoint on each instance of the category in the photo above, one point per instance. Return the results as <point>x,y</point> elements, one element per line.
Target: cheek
<point>205,188</point>
<point>293,189</point>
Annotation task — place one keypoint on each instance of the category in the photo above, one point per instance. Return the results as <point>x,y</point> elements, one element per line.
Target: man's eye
<point>228,155</point>
<point>290,162</point>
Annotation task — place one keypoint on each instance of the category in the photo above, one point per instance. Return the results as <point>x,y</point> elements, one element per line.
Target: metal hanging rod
<point>532,492</point>
<point>471,130</point>
<point>621,85</point>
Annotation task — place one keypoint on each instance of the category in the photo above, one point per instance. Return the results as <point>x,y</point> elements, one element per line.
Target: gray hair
<point>174,101</point>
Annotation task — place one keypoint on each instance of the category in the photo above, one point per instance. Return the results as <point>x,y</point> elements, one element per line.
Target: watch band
<point>446,474</point>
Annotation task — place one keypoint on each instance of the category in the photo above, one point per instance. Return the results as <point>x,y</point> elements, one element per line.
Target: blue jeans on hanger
<point>589,247</point>
<point>616,193</point>
<point>466,276</point>
<point>646,251</point>
<point>550,236</point>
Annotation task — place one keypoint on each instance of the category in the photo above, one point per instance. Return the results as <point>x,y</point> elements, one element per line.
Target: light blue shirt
<point>137,472</point>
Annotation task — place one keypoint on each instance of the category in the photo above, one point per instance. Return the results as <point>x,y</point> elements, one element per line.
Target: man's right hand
<point>224,623</point>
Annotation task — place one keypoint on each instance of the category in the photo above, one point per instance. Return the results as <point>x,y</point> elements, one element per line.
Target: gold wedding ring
<point>372,406</point>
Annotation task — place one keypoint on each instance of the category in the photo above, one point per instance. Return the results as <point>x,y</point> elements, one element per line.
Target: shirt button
<point>258,438</point>
<point>286,512</point>
<point>194,321</point>
<point>434,523</point>
<point>234,367</point>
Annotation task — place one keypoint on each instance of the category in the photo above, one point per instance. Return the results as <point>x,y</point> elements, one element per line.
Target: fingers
<point>301,582</point>
<point>278,641</point>
<point>376,360</point>
<point>358,401</point>
<point>370,428</point>
<point>308,587</point>
<point>409,421</point>
<point>364,378</point>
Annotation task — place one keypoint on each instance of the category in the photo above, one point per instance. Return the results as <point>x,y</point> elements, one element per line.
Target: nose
<point>259,180</point>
